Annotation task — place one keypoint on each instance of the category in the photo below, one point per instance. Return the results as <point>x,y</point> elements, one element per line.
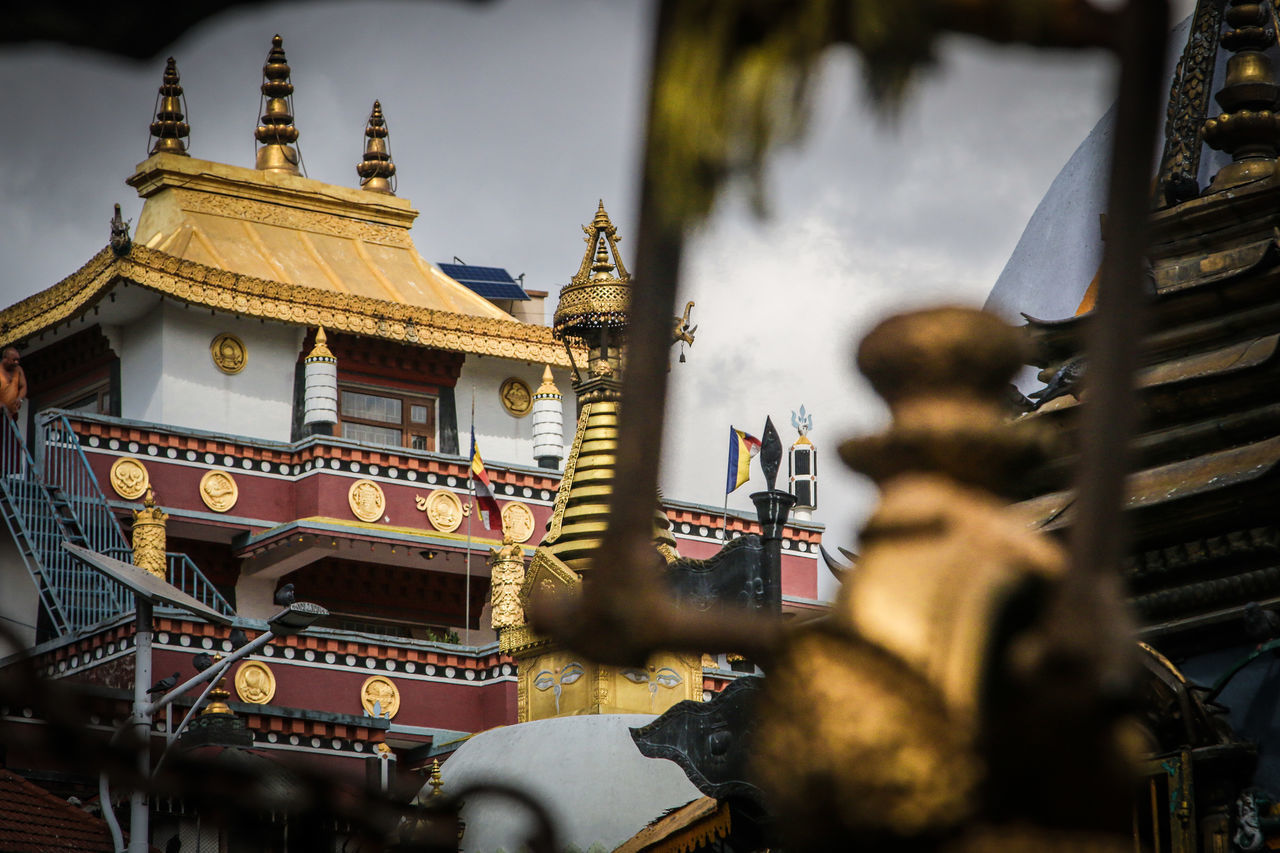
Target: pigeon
<point>164,685</point>
<point>1066,380</point>
<point>202,661</point>
<point>239,639</point>
<point>284,595</point>
<point>1260,625</point>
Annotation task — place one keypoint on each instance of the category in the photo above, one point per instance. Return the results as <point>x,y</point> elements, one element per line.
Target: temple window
<point>386,417</point>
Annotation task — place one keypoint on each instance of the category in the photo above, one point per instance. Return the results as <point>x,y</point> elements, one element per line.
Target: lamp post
<point>147,590</point>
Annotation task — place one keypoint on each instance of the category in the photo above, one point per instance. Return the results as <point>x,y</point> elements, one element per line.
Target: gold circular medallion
<point>444,510</point>
<point>517,520</point>
<point>255,682</point>
<point>380,697</point>
<point>229,354</point>
<point>516,397</point>
<point>129,478</point>
<point>218,490</point>
<point>367,500</point>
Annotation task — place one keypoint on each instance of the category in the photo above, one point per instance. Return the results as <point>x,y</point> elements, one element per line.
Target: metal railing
<point>40,520</point>
<point>68,471</point>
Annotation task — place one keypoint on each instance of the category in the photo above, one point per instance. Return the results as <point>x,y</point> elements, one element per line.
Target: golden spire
<point>219,695</point>
<point>376,170</point>
<point>277,134</point>
<point>169,129</point>
<point>548,387</point>
<point>593,311</point>
<point>1246,128</point>
<point>321,348</point>
<point>436,782</point>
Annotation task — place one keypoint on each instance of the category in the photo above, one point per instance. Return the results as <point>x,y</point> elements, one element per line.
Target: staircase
<point>61,501</point>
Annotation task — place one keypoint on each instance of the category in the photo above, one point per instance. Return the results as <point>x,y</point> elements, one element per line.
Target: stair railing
<point>68,470</point>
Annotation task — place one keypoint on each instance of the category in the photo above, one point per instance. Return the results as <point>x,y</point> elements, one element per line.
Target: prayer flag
<point>742,448</point>
<point>485,501</point>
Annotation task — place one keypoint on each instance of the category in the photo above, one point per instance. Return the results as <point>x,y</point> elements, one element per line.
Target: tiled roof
<point>32,820</point>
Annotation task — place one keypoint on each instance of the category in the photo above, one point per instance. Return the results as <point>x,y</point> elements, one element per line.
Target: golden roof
<point>209,287</point>
<point>293,230</point>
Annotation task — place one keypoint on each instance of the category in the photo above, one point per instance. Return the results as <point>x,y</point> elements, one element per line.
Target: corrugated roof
<point>35,821</point>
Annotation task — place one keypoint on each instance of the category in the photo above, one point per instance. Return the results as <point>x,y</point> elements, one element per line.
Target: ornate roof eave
<point>220,290</point>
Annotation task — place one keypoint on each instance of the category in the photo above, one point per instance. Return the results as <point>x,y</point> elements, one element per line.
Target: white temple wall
<point>168,375</point>
<point>502,437</point>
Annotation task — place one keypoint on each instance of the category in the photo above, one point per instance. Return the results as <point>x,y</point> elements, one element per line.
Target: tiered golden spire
<point>1248,128</point>
<point>277,133</point>
<point>169,129</point>
<point>376,169</point>
<point>593,311</point>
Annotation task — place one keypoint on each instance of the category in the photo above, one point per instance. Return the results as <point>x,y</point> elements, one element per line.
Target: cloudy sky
<point>509,121</point>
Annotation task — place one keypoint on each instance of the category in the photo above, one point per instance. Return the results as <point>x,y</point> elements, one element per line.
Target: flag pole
<point>475,507</point>
<point>728,454</point>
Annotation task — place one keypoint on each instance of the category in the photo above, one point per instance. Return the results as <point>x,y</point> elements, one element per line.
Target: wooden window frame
<point>407,427</point>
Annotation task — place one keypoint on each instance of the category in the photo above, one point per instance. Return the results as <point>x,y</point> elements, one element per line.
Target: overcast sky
<point>509,121</point>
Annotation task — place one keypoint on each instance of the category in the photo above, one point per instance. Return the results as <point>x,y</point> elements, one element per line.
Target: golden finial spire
<point>321,348</point>
<point>376,170</point>
<point>219,695</point>
<point>149,537</point>
<point>1246,128</point>
<point>277,134</point>
<point>169,129</point>
<point>548,387</point>
<point>436,783</point>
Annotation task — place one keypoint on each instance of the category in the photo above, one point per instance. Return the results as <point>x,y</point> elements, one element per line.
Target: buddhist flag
<point>485,500</point>
<point>742,448</point>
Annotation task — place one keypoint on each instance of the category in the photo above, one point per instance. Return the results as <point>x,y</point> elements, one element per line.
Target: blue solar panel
<point>489,282</point>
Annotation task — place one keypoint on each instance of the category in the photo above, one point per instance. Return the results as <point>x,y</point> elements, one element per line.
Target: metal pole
<point>139,803</point>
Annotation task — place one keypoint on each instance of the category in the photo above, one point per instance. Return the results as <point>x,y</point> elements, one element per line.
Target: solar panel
<point>489,282</point>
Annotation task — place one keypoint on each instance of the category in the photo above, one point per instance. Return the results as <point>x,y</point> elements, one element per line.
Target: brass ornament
<point>255,683</point>
<point>129,478</point>
<point>443,508</point>
<point>218,490</point>
<point>229,354</point>
<point>381,691</point>
<point>517,521</point>
<point>366,500</point>
<point>506,577</point>
<point>149,538</point>
<point>516,397</point>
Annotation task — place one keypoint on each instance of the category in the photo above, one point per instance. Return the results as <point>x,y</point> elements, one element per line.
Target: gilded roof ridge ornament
<point>277,133</point>
<point>376,170</point>
<point>169,127</point>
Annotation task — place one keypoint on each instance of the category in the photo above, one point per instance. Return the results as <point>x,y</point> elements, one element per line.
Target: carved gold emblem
<point>380,697</point>
<point>219,491</point>
<point>129,478</point>
<point>517,521</point>
<point>516,397</point>
<point>443,509</point>
<point>255,682</point>
<point>367,500</point>
<point>229,354</point>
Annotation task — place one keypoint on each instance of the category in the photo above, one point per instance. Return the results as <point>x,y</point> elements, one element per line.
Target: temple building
<point>264,392</point>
